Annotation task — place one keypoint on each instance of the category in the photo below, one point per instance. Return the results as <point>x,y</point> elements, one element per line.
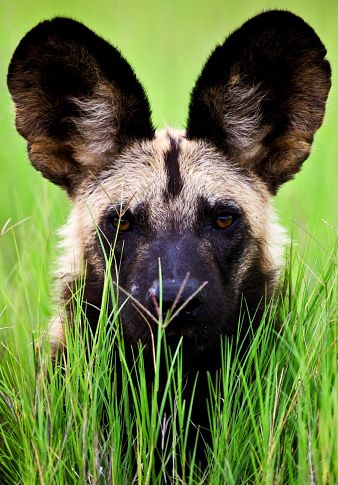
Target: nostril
<point>153,301</point>
<point>192,306</point>
<point>166,306</point>
<point>175,298</point>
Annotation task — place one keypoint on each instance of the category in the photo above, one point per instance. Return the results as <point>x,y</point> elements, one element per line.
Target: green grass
<point>280,427</point>
<point>273,412</point>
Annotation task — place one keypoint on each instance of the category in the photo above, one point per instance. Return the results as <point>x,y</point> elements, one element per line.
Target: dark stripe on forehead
<point>174,180</point>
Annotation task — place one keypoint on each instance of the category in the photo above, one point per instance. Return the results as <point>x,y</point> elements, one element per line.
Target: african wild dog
<point>199,199</point>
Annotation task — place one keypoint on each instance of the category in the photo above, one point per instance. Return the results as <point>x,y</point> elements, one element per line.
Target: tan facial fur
<point>139,176</point>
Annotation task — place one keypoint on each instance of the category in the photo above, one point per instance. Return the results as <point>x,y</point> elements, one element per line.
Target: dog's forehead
<point>169,175</point>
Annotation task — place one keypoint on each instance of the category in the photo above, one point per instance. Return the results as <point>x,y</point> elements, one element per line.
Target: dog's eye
<point>224,221</point>
<point>122,224</point>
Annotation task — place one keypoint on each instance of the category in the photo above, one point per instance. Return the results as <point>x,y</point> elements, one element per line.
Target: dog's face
<point>156,206</point>
<point>195,204</point>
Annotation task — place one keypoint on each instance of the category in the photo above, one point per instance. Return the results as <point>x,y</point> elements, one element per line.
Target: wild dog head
<point>197,201</point>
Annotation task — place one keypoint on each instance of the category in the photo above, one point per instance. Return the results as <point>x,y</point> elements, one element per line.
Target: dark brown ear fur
<point>261,95</point>
<point>77,100</point>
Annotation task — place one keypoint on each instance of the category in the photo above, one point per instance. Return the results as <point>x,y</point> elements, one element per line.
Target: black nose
<point>175,294</point>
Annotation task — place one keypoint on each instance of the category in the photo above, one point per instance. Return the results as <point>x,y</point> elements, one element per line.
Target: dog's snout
<point>182,296</point>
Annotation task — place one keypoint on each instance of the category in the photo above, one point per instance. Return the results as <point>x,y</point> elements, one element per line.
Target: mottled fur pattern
<point>252,117</point>
<point>139,177</point>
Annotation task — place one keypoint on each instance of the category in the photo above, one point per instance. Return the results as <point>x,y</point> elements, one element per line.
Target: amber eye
<point>224,221</point>
<point>122,224</point>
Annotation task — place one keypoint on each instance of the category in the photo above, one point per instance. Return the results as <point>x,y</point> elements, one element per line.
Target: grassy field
<point>279,428</point>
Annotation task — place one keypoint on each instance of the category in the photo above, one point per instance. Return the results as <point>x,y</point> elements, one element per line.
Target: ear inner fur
<point>261,95</point>
<point>78,102</point>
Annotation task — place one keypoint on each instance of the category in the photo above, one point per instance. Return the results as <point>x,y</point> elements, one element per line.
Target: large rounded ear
<point>261,95</point>
<point>78,102</point>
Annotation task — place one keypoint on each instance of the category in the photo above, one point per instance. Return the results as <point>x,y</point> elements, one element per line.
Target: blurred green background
<point>166,42</point>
